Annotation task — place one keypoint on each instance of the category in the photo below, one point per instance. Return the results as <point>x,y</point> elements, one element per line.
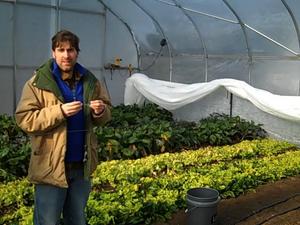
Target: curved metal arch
<point>163,34</point>
<point>293,19</point>
<point>198,12</point>
<point>14,57</point>
<point>226,20</point>
<point>245,35</point>
<point>236,22</point>
<point>137,46</point>
<point>258,32</point>
<point>199,34</point>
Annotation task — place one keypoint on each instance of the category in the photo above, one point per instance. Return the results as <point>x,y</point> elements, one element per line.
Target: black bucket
<point>202,206</point>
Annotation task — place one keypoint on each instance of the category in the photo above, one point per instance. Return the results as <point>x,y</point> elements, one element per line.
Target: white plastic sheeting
<point>171,96</point>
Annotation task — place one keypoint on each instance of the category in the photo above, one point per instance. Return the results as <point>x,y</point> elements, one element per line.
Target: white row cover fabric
<point>171,96</point>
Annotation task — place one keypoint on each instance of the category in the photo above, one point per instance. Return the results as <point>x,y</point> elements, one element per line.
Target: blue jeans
<point>51,202</point>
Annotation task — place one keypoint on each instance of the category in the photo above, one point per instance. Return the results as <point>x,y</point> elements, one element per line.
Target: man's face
<point>65,56</point>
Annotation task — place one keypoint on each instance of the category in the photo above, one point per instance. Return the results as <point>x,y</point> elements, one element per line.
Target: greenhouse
<point>218,77</point>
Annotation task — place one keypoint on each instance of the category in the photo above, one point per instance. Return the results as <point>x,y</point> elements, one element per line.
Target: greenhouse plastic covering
<point>255,43</point>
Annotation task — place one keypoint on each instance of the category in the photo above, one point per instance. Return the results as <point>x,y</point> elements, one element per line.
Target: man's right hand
<point>71,108</point>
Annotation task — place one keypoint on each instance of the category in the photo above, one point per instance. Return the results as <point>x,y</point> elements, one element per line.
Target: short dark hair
<point>63,36</point>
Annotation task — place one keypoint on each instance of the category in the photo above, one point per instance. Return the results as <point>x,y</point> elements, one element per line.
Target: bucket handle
<point>189,210</point>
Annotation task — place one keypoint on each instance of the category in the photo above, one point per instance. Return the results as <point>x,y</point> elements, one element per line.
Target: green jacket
<point>39,114</point>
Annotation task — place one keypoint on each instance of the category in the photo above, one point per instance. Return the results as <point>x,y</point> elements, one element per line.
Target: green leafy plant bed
<point>14,150</point>
<point>136,132</point>
<point>152,188</point>
<point>133,133</point>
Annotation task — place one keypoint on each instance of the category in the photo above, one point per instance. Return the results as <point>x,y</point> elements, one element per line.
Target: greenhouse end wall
<point>25,40</point>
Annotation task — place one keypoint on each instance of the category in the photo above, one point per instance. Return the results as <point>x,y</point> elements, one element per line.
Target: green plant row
<point>133,170</point>
<point>16,203</point>
<point>136,132</point>
<point>150,189</point>
<point>14,149</point>
<point>133,133</point>
<point>156,197</point>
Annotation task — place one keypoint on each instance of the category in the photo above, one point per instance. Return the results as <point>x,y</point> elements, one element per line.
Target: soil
<point>275,203</point>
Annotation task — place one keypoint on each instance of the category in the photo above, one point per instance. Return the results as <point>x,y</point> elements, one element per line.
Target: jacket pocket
<point>41,144</point>
<point>40,165</point>
<point>39,168</point>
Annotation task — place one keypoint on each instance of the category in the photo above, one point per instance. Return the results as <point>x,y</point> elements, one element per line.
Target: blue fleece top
<point>75,123</point>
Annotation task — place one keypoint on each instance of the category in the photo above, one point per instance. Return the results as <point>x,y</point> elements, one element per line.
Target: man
<point>58,108</point>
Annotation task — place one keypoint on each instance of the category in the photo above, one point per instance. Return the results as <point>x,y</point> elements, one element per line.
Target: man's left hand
<point>98,106</point>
